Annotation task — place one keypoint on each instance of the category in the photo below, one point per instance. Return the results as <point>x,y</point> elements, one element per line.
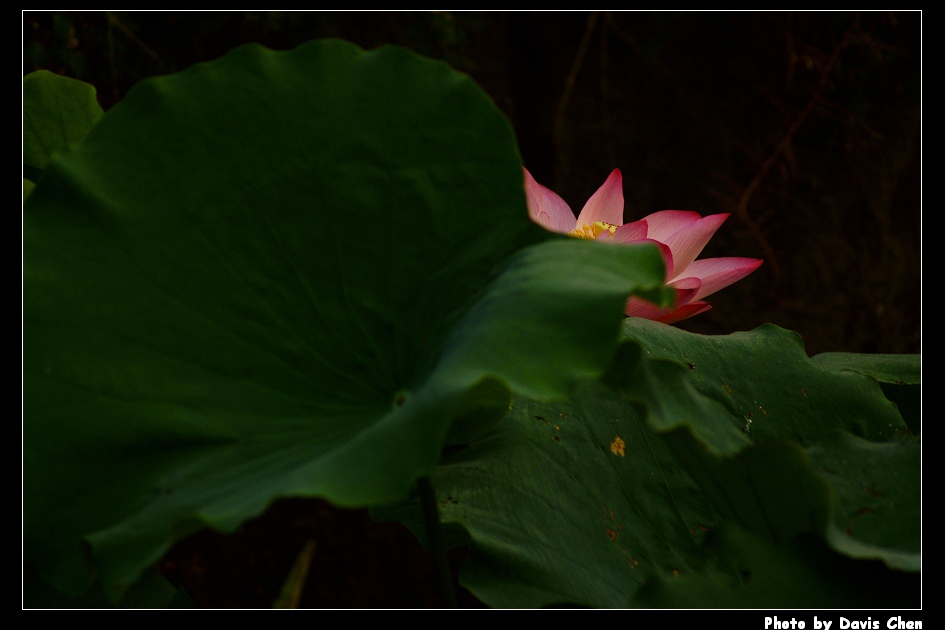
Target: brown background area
<point>805,127</point>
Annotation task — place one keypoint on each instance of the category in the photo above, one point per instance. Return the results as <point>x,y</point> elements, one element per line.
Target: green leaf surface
<point>900,376</point>
<point>803,574</point>
<point>762,381</point>
<point>57,111</point>
<point>152,590</point>
<point>878,510</point>
<point>901,369</point>
<point>278,274</point>
<point>572,503</point>
<point>793,408</point>
<point>742,430</point>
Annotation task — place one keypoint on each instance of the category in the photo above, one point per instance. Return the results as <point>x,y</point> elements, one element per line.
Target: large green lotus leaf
<point>862,497</point>
<point>57,111</point>
<point>763,380</point>
<point>774,392</point>
<point>285,273</point>
<point>570,503</point>
<point>559,511</point>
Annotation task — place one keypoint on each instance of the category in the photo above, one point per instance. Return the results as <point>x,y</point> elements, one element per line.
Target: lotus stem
<point>437,543</point>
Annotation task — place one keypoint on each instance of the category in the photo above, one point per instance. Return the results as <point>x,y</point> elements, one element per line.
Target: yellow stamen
<point>590,232</point>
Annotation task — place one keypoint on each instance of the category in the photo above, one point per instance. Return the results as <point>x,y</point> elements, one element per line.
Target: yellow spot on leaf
<point>617,446</point>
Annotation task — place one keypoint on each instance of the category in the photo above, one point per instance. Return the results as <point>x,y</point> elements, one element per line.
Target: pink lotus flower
<point>680,234</point>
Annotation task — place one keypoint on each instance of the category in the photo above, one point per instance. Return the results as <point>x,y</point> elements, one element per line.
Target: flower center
<point>591,232</point>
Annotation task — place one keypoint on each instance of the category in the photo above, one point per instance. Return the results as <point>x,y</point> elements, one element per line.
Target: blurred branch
<point>572,77</point>
<point>114,22</point>
<point>436,542</point>
<point>783,147</point>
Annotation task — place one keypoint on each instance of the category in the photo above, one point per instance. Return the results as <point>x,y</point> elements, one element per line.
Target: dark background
<point>805,127</point>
